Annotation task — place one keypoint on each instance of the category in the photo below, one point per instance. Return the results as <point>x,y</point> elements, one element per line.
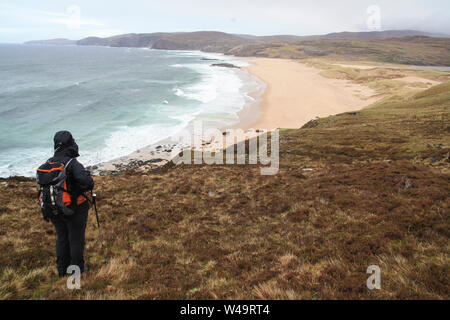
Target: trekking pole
<point>94,202</point>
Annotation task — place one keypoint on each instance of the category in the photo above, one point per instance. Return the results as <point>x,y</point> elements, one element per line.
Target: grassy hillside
<point>402,47</point>
<point>415,50</point>
<point>353,190</point>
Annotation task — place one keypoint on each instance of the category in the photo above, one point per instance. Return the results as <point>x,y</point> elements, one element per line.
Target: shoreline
<point>158,154</point>
<point>291,94</point>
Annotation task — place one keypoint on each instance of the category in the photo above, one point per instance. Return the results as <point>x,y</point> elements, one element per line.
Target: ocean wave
<point>25,165</point>
<point>127,140</point>
<point>122,113</point>
<point>36,90</point>
<point>212,81</point>
<point>221,92</point>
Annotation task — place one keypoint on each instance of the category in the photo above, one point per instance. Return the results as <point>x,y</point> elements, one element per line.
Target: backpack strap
<point>67,164</point>
<point>64,170</point>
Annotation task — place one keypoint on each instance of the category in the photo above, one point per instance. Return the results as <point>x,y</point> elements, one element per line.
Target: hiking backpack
<point>54,198</point>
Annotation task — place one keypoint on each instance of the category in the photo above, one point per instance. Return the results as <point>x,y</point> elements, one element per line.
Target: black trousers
<point>70,239</point>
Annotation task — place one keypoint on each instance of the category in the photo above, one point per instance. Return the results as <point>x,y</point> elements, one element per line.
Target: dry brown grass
<point>407,50</point>
<point>377,194</point>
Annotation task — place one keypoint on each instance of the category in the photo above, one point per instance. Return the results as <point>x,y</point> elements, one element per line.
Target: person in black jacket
<point>70,231</point>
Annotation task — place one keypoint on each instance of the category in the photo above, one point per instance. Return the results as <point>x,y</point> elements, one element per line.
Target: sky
<point>23,20</point>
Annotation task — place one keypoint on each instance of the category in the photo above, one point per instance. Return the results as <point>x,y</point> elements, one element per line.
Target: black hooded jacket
<point>79,179</point>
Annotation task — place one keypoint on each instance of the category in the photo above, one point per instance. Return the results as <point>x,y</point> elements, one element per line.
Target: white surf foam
<point>127,140</point>
<point>217,98</point>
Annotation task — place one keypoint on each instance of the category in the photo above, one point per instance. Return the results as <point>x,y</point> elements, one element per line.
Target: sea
<point>113,100</point>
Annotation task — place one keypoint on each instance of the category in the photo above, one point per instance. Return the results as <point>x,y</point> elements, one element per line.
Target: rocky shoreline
<point>159,157</point>
<point>133,165</point>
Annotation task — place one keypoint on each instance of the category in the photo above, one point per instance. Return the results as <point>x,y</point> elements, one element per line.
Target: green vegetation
<point>400,47</point>
<point>416,50</point>
<point>375,192</point>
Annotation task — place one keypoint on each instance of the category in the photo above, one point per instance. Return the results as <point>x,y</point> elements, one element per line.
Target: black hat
<point>63,140</point>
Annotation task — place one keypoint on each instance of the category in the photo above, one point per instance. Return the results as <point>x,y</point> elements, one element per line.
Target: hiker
<point>70,228</point>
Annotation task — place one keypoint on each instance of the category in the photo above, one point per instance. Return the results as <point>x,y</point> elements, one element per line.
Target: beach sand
<point>294,94</point>
<point>297,93</point>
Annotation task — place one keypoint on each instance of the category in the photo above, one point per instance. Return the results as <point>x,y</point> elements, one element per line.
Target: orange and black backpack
<point>54,197</point>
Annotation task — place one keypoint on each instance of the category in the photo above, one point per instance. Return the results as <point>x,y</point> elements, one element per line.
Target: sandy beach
<point>294,94</point>
<point>297,93</point>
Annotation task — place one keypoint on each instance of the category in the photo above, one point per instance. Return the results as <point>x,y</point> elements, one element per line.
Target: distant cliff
<point>209,41</point>
<point>131,40</point>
